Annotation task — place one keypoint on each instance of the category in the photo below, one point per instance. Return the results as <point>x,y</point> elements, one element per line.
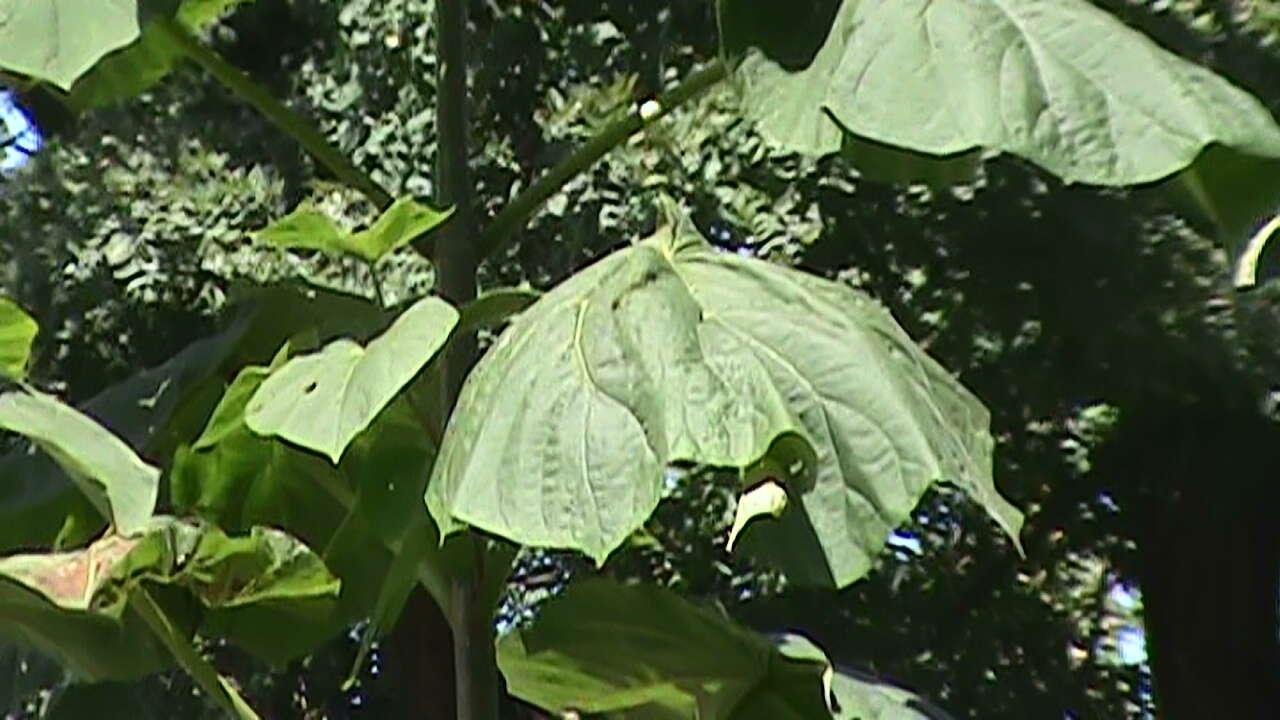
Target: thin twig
<point>291,122</point>
<point>518,211</point>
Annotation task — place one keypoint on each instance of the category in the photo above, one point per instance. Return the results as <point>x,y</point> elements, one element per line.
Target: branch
<point>291,122</point>
<point>518,211</point>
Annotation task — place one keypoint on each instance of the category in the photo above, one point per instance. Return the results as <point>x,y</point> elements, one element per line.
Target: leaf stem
<point>291,122</point>
<point>518,211</point>
<point>218,688</point>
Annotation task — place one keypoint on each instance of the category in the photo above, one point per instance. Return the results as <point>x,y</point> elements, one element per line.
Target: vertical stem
<point>456,260</point>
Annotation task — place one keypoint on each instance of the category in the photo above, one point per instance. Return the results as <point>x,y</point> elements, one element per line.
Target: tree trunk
<point>1209,557</point>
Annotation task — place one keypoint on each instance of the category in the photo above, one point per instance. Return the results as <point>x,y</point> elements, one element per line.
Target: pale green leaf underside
<point>671,351</point>
<point>59,40</point>
<point>645,652</point>
<point>17,331</point>
<point>1063,84</point>
<point>104,467</point>
<point>321,401</point>
<point>309,227</point>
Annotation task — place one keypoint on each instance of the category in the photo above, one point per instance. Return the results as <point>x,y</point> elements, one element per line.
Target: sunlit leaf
<point>134,69</point>
<point>104,467</point>
<point>766,499</point>
<point>17,332</point>
<point>59,40</point>
<point>311,228</point>
<point>323,400</point>
<point>652,356</point>
<point>1063,84</point>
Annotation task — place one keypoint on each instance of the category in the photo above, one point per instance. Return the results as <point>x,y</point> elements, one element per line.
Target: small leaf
<point>323,400</point>
<point>17,332</point>
<point>397,226</point>
<point>104,467</point>
<point>767,498</point>
<point>310,228</point>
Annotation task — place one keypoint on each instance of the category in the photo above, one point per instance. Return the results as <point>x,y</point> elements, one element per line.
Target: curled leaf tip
<point>767,498</point>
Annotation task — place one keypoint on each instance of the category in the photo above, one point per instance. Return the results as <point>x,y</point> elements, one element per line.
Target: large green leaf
<point>58,40</point>
<point>311,228</point>
<point>323,400</point>
<point>645,652</point>
<point>1063,84</point>
<point>672,351</point>
<point>119,484</point>
<point>17,332</point>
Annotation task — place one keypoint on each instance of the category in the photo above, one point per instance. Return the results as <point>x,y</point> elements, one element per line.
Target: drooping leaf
<point>59,40</point>
<point>119,484</point>
<point>672,351</point>
<point>645,652</point>
<point>322,401</point>
<point>1063,84</point>
<point>311,228</point>
<point>73,604</point>
<point>17,332</point>
<point>162,408</point>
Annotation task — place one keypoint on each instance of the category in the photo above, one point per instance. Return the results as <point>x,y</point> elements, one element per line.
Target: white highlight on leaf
<point>767,498</point>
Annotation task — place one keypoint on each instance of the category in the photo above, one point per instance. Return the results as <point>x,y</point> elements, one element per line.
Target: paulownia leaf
<point>59,40</point>
<point>134,69</point>
<point>72,604</point>
<point>17,332</point>
<point>859,696</point>
<point>161,408</point>
<point>119,484</point>
<point>323,400</point>
<point>377,538</point>
<point>311,228</point>
<point>1063,84</point>
<point>645,652</point>
<point>672,351</point>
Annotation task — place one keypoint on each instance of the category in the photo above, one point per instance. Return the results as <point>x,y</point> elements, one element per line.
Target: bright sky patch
<point>19,137</point>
